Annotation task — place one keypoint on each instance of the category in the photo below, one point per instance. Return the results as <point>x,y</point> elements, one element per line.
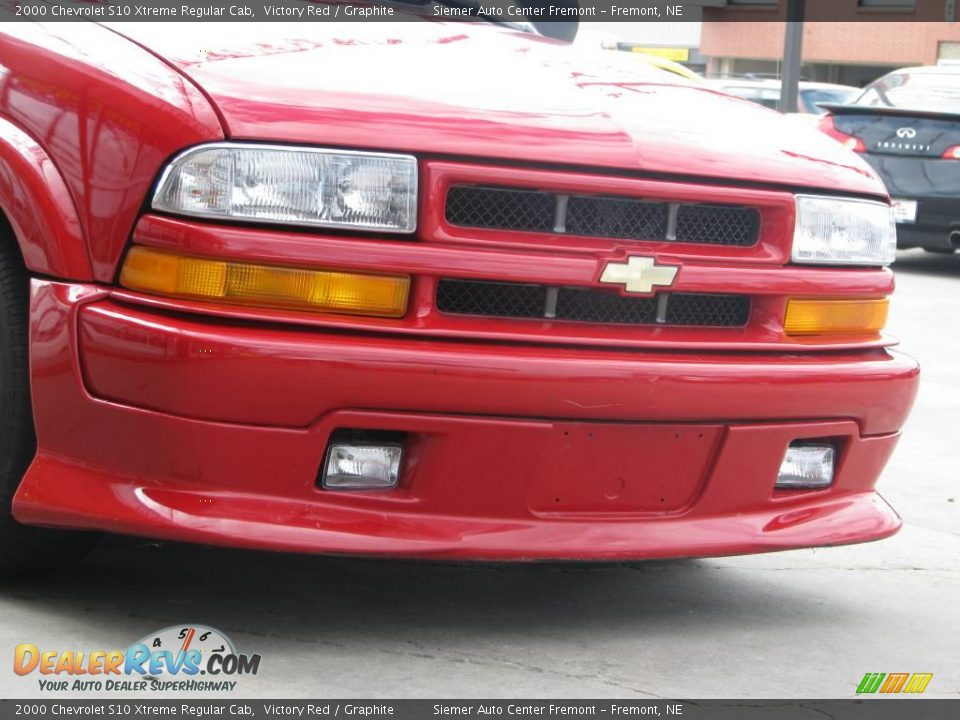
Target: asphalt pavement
<point>794,624</point>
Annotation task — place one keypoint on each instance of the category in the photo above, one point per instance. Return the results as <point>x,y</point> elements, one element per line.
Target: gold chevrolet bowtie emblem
<point>639,274</point>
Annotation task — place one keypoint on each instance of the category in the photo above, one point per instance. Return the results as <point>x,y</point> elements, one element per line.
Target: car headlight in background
<point>292,185</point>
<point>843,231</point>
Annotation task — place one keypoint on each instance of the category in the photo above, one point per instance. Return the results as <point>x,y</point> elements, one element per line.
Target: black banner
<point>872,709</point>
<point>489,10</point>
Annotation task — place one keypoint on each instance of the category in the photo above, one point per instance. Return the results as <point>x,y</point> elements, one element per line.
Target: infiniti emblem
<point>906,133</point>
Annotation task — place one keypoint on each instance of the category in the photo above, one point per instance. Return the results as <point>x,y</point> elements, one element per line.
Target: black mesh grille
<point>708,310</point>
<point>604,307</point>
<point>717,225</point>
<point>517,300</point>
<point>511,300</point>
<point>501,208</point>
<point>601,216</point>
<point>616,218</point>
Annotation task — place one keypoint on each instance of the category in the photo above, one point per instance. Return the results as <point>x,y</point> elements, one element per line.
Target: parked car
<point>766,92</point>
<point>330,288</point>
<point>907,126</point>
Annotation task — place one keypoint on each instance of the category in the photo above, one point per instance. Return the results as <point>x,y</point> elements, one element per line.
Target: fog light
<point>806,466</point>
<point>362,467</point>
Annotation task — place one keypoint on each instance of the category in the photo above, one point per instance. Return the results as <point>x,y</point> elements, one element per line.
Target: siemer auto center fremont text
<point>551,710</point>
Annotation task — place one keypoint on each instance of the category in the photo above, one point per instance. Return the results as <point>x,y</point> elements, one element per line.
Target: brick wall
<point>893,41</point>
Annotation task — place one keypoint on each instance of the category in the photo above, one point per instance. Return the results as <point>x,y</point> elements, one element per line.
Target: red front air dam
<point>181,427</point>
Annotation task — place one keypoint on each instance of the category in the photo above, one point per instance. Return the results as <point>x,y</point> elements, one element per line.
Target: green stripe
<point>870,683</point>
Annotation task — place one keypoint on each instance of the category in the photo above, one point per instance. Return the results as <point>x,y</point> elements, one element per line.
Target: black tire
<point>23,549</point>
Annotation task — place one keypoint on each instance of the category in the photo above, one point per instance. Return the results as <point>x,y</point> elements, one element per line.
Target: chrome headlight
<point>843,231</point>
<point>293,186</point>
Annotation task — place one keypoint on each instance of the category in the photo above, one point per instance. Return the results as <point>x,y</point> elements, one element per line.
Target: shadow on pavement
<point>131,586</point>
<point>918,262</point>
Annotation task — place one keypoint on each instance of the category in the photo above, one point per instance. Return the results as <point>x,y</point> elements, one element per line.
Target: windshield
<point>916,91</point>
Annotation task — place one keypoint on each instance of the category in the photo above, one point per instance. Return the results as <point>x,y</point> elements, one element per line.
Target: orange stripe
<point>894,682</point>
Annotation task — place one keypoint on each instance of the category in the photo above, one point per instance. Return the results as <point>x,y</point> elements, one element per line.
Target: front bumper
<point>187,428</point>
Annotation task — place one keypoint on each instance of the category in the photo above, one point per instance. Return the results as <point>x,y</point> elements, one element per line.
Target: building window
<point>897,4</point>
<point>949,51</point>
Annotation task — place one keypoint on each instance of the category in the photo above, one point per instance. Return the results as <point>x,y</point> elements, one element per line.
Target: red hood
<point>471,89</point>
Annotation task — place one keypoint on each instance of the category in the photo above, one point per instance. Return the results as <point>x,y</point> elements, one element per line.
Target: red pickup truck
<point>428,289</point>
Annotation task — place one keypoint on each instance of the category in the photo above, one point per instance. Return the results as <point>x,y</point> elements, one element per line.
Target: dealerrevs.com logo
<point>180,658</point>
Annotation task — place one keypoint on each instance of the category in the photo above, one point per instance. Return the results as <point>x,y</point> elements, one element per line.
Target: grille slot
<point>707,310</point>
<point>717,225</point>
<point>501,208</point>
<point>509,300</point>
<point>594,306</point>
<point>616,217</point>
<point>519,300</point>
<point>627,218</point>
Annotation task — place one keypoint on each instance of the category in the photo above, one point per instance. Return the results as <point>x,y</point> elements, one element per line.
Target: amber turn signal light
<point>168,273</point>
<point>835,317</point>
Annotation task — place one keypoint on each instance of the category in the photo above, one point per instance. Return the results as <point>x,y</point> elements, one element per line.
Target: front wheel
<point>22,548</point>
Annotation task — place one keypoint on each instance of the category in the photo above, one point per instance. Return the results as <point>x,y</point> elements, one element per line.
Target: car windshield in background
<point>811,95</point>
<point>938,92</point>
<point>815,97</point>
<point>766,96</point>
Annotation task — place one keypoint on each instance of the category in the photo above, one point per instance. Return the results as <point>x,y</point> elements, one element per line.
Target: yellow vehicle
<point>663,63</point>
<point>591,42</point>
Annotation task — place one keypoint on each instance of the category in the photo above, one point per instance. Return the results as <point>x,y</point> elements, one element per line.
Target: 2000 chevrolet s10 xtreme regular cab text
<point>429,289</point>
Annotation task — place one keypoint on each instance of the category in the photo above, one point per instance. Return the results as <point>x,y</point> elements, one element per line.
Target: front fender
<point>37,203</point>
<point>108,115</point>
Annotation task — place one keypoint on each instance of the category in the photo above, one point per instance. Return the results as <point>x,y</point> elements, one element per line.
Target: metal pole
<point>792,55</point>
